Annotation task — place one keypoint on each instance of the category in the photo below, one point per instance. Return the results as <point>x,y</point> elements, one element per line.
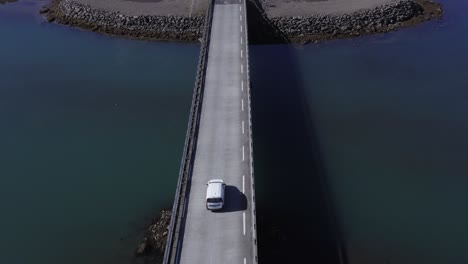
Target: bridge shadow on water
<point>295,213</point>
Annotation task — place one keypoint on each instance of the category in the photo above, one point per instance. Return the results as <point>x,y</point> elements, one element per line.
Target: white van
<point>215,194</point>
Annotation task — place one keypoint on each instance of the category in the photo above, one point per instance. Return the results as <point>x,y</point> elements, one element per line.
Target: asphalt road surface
<point>223,149</point>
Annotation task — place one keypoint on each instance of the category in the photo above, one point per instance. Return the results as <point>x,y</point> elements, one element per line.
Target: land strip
<point>133,20</point>
<point>313,21</point>
<point>7,1</point>
<point>270,21</point>
<point>185,8</point>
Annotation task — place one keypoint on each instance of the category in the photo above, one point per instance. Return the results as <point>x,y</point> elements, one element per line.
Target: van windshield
<point>214,200</point>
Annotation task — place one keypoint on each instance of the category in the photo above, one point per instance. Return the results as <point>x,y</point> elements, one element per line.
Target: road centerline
<point>219,119</point>
<point>243,221</point>
<point>243,183</point>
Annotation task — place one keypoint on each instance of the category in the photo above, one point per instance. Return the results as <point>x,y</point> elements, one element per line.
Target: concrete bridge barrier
<point>175,232</point>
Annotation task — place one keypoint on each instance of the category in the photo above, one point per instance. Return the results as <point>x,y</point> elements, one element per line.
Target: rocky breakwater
<point>154,241</point>
<point>385,18</point>
<point>7,1</point>
<point>174,28</point>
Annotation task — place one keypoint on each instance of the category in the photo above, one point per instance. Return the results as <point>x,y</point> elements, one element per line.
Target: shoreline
<point>153,244</point>
<point>2,2</point>
<point>142,27</point>
<point>322,27</point>
<point>383,19</point>
<point>263,27</point>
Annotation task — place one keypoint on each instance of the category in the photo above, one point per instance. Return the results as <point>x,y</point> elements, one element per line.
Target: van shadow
<point>296,221</point>
<point>235,200</point>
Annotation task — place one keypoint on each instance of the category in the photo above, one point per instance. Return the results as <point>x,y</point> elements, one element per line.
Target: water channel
<point>360,145</point>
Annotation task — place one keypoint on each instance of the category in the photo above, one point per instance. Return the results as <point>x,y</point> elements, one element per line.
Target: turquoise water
<point>380,124</point>
<point>91,135</point>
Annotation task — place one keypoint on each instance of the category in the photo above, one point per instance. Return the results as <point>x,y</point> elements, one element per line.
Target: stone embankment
<point>388,17</point>
<point>263,28</point>
<point>7,1</point>
<point>154,241</point>
<point>171,27</point>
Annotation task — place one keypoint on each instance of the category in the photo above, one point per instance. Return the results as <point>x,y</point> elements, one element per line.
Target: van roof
<point>214,189</point>
<point>215,181</point>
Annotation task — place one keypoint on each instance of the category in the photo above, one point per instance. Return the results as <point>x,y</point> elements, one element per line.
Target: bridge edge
<point>172,250</point>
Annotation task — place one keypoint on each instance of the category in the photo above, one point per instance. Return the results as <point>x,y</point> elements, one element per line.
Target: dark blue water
<point>91,135</point>
<point>361,145</point>
<point>364,143</point>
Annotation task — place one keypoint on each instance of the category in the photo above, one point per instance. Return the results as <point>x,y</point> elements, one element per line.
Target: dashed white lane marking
<point>243,183</point>
<point>240,17</point>
<point>245,261</point>
<point>242,104</point>
<point>242,126</point>
<point>243,220</point>
<point>242,86</point>
<point>242,68</point>
<point>241,40</point>
<point>240,8</point>
<point>242,53</point>
<point>243,150</point>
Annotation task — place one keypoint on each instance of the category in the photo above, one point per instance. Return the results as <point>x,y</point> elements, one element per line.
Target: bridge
<point>218,146</point>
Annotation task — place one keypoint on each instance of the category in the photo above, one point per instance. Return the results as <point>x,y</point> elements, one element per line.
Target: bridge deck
<point>223,149</point>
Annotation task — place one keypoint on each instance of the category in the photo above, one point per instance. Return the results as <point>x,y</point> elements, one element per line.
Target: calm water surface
<point>91,135</point>
<point>381,125</point>
<point>360,143</point>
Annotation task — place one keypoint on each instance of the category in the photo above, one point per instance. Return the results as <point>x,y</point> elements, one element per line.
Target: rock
<point>361,22</point>
<point>154,241</point>
<point>142,249</point>
<point>160,27</point>
<point>44,10</point>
